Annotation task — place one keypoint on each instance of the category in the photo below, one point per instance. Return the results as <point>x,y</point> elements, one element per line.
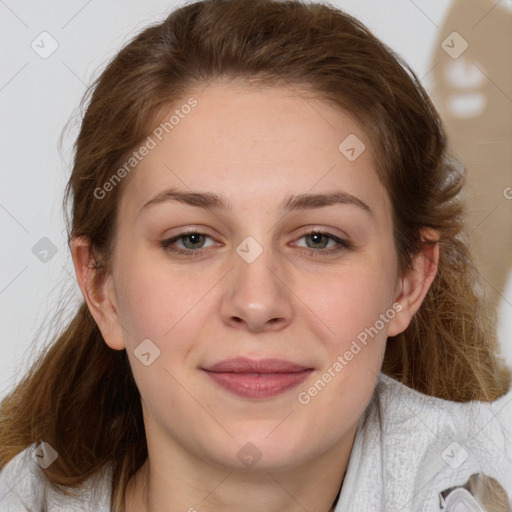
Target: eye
<point>317,241</point>
<point>192,241</point>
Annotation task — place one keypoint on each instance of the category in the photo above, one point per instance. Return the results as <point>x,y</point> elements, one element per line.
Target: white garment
<point>409,448</point>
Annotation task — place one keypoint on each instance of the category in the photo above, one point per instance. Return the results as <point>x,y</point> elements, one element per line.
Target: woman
<point>280,310</point>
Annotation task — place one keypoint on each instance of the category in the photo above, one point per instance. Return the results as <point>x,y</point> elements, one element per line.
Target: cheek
<point>165,308</point>
<point>355,309</point>
<point>352,302</point>
<point>156,302</point>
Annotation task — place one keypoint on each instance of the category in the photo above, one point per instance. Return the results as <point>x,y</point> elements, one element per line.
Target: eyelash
<point>343,245</point>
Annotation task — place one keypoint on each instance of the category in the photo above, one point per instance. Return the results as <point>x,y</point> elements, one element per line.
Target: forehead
<point>245,141</point>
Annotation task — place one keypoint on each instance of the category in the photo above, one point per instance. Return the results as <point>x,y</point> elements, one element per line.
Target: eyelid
<point>168,241</point>
<point>323,230</point>
<point>342,242</point>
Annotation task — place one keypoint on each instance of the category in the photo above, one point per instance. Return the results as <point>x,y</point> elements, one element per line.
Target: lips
<point>245,365</point>
<point>263,378</point>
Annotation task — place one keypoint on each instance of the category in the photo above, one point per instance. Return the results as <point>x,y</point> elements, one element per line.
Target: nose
<point>257,294</point>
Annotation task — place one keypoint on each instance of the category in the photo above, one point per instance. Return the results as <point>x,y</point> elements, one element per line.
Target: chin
<point>256,452</point>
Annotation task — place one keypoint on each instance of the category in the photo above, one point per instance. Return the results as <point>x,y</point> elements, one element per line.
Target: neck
<point>195,486</point>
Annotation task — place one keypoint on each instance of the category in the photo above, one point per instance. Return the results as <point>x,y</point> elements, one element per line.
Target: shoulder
<point>435,413</point>
<point>412,447</point>
<point>445,442</point>
<point>21,483</point>
<point>481,428</point>
<point>24,487</point>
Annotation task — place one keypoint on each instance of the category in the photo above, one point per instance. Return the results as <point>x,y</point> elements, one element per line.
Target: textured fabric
<point>23,487</point>
<point>409,449</point>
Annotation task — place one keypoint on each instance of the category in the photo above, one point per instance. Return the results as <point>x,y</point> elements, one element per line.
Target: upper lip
<point>246,365</point>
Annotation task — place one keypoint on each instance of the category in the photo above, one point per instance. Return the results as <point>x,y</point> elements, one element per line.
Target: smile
<point>263,378</point>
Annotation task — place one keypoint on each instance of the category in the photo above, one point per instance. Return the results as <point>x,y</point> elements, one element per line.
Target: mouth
<point>262,378</point>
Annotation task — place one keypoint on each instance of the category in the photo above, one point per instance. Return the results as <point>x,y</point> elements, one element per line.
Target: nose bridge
<point>256,294</point>
<point>255,269</point>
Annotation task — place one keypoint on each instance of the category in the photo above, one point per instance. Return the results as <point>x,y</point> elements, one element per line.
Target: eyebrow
<point>292,202</point>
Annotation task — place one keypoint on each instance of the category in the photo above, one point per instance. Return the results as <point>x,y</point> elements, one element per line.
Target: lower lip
<point>258,385</point>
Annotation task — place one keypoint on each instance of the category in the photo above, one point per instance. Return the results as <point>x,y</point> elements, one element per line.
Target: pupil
<point>194,238</point>
<point>316,238</point>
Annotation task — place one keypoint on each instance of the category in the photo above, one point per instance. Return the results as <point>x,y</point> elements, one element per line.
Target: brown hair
<point>80,396</point>
<point>489,493</point>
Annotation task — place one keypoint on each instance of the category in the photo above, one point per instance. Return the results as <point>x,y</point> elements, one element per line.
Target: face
<point>268,323</point>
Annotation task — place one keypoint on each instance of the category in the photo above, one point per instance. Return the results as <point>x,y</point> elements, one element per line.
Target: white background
<point>38,96</point>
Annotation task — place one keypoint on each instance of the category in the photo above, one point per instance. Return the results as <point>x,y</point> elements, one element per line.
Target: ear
<point>413,285</point>
<point>98,291</point>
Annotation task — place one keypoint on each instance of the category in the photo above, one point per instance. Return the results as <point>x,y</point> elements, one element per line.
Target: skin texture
<point>254,146</point>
